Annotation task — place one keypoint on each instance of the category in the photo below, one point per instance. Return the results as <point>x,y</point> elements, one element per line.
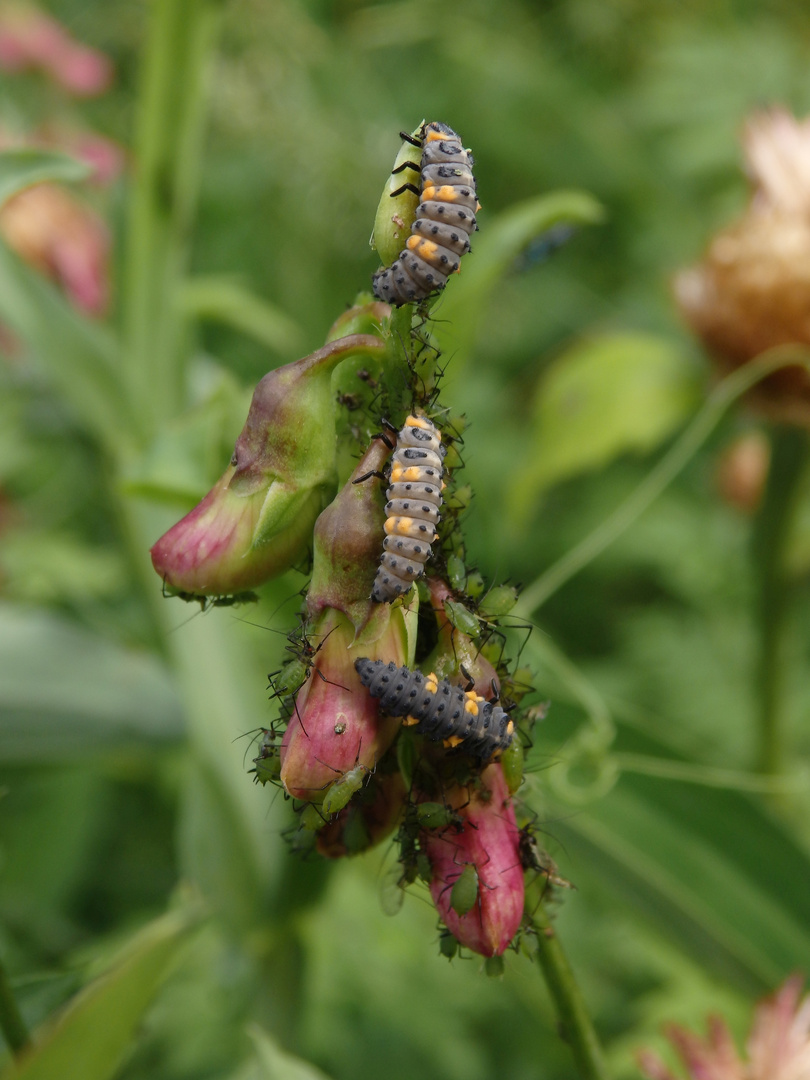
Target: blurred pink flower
<point>64,240</point>
<point>487,839</point>
<point>778,1047</point>
<point>29,39</point>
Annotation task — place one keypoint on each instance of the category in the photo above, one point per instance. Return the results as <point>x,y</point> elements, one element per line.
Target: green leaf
<point>496,247</point>
<point>66,692</point>
<point>709,867</point>
<point>192,451</point>
<point>79,357</point>
<point>21,168</point>
<point>277,1064</point>
<point>96,1031</point>
<point>224,300</point>
<point>601,399</point>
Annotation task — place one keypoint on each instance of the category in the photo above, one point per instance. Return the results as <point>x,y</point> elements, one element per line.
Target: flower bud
<point>752,290</point>
<point>257,520</point>
<point>348,541</point>
<point>477,878</point>
<point>64,240</point>
<point>396,213</point>
<point>336,727</point>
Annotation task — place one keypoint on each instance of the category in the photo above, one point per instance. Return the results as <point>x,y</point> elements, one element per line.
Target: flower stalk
<point>575,1023</point>
<point>11,1021</point>
<point>790,452</point>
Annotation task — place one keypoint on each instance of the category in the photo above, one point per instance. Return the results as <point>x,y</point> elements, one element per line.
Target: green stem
<point>679,455</point>
<point>575,1023</point>
<point>11,1021</point>
<point>168,150</point>
<point>772,531</point>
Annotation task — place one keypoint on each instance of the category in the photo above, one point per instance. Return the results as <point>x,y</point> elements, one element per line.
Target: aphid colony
<point>445,219</point>
<point>438,709</point>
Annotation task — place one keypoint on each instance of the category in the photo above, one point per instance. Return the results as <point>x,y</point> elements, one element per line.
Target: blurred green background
<point>123,717</point>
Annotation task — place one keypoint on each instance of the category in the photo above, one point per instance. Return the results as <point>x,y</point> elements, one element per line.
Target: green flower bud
<point>257,520</point>
<point>396,214</point>
<point>348,542</point>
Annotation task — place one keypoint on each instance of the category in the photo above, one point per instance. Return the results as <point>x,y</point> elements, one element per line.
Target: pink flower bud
<point>486,840</point>
<point>335,726</point>
<point>31,39</point>
<point>257,520</point>
<point>63,239</point>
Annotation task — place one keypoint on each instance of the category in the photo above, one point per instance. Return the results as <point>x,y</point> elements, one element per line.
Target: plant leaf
<point>96,1030</point>
<point>224,300</point>
<point>277,1064</point>
<point>66,692</point>
<point>600,399</point>
<point>23,167</point>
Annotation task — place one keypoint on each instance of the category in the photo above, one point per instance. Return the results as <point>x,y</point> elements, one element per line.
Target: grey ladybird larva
<point>445,219</point>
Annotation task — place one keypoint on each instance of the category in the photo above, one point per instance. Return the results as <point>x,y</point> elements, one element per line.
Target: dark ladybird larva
<point>437,709</point>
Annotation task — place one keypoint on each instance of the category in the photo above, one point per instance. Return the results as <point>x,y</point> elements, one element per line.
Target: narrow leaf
<point>93,1035</point>
<point>223,300</point>
<point>21,168</point>
<point>277,1064</point>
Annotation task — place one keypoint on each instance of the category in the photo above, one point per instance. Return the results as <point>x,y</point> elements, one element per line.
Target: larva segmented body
<point>414,498</point>
<point>445,218</point>
<point>437,709</point>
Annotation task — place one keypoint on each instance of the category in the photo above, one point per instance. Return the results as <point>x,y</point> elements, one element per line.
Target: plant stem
<point>575,1024</point>
<point>656,481</point>
<point>771,536</point>
<point>168,149</point>
<point>11,1021</point>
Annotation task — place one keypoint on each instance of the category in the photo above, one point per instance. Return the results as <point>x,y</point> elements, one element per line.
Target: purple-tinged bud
<point>256,522</point>
<point>336,726</point>
<point>487,841</point>
<point>348,541</point>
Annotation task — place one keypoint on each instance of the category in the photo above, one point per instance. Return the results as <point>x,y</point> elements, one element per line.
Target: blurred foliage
<point>126,720</point>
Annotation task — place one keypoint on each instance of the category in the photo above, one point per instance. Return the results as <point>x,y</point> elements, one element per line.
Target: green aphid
<point>494,966</point>
<point>343,788</point>
<point>448,945</point>
<point>462,618</point>
<point>498,601</point>
<point>464,893</point>
<point>456,573</point>
<point>311,818</point>
<point>291,677</point>
<point>475,584</point>
<point>512,764</point>
<point>435,815</point>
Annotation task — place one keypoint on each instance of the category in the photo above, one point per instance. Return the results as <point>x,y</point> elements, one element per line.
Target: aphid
<point>464,892</point>
<point>445,218</point>
<point>341,791</point>
<point>438,709</point>
<point>414,497</point>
